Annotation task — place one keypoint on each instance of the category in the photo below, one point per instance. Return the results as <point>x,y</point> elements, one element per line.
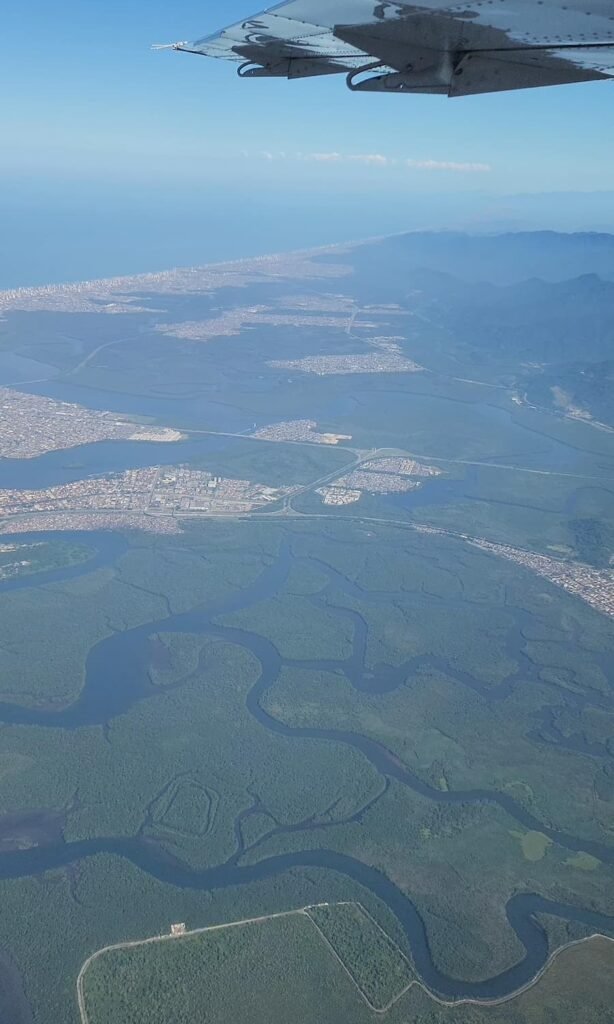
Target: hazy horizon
<point>60,234</point>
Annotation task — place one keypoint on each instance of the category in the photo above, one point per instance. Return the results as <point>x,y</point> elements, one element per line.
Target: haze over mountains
<point>77,231</point>
<point>531,308</point>
<point>506,258</point>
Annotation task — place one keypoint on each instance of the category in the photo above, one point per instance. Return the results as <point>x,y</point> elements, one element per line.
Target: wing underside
<point>455,49</point>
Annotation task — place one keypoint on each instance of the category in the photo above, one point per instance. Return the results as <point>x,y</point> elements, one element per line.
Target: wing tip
<point>170,46</point>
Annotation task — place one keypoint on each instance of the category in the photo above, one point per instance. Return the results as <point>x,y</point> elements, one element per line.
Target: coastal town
<point>165,491</point>
<point>132,294</point>
<point>329,311</point>
<point>181,491</point>
<point>389,475</point>
<point>158,498</point>
<point>31,425</point>
<point>388,356</point>
<point>339,495</point>
<point>401,466</point>
<point>68,521</point>
<point>234,321</point>
<point>298,431</point>
<point>330,365</point>
<point>594,586</point>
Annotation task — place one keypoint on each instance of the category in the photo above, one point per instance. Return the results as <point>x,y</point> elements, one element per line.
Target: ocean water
<point>51,233</point>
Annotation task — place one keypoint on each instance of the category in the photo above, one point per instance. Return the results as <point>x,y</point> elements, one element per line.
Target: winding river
<point>108,694</point>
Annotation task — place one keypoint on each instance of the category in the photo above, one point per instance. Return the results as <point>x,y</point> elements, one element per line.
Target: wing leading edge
<point>433,46</point>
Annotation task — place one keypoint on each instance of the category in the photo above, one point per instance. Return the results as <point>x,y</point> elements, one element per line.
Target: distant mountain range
<point>503,258</point>
<point>532,309</point>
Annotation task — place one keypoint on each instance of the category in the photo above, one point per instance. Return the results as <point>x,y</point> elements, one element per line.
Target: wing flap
<point>484,72</point>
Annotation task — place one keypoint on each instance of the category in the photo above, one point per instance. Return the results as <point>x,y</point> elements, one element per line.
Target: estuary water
<point>117,677</point>
<point>104,457</point>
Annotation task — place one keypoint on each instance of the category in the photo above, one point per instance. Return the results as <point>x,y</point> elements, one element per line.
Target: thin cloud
<point>368,159</point>
<point>371,159</point>
<point>323,158</point>
<point>448,165</point>
<point>379,160</point>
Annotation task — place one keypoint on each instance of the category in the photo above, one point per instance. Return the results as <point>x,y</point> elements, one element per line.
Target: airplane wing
<point>432,46</point>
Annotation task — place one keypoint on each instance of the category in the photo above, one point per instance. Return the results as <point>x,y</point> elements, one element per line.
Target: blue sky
<point>93,112</point>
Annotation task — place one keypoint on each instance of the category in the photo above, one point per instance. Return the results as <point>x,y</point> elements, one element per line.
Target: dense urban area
<point>31,425</point>
<point>167,491</point>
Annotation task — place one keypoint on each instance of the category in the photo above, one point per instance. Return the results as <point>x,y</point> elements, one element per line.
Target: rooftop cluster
<point>125,294</point>
<point>298,430</point>
<point>371,362</point>
<point>164,490</point>
<point>31,425</point>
